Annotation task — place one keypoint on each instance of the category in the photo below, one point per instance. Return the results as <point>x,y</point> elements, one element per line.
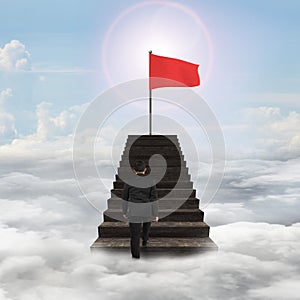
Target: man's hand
<point>156,219</point>
<point>125,216</point>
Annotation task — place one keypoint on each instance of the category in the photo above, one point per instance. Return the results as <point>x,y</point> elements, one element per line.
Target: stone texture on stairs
<point>181,227</point>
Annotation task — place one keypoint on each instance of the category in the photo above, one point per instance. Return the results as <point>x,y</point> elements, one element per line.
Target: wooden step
<point>162,184</point>
<point>180,193</point>
<point>179,215</point>
<point>153,137</point>
<point>152,149</point>
<point>171,177</point>
<point>165,176</point>
<point>172,203</point>
<point>145,156</point>
<point>171,161</point>
<point>151,143</point>
<point>157,244</point>
<point>174,170</point>
<point>157,169</point>
<point>158,229</point>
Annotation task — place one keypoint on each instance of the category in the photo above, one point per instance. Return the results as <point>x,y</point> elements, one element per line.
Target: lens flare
<point>167,28</point>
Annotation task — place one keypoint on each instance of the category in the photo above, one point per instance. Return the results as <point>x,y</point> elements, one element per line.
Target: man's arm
<point>125,196</point>
<point>153,199</point>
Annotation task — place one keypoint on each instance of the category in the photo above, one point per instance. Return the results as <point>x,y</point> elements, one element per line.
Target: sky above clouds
<point>56,57</point>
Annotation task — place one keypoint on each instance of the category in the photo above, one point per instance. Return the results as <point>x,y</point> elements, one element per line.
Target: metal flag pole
<point>150,100</point>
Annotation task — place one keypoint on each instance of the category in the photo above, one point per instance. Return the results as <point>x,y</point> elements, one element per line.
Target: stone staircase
<point>181,227</point>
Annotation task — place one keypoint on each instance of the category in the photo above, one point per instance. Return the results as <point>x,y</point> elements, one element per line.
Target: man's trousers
<point>135,229</point>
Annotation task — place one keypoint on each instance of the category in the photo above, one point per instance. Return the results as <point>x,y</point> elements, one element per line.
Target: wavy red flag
<point>171,72</point>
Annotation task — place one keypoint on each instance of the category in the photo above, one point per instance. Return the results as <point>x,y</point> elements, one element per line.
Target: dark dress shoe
<point>135,256</point>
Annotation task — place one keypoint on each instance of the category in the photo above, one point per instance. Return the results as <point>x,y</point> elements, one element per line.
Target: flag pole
<point>150,100</point>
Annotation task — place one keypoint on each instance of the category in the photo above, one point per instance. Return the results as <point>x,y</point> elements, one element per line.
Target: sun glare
<point>166,28</point>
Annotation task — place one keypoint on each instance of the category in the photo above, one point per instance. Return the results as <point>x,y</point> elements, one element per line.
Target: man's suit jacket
<point>139,201</point>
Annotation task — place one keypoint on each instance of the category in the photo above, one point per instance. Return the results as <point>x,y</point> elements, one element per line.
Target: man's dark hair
<point>139,166</point>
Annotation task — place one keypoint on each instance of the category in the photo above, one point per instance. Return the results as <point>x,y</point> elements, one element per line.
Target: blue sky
<point>255,48</point>
<point>74,51</point>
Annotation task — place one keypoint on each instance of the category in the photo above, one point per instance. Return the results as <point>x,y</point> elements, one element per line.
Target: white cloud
<point>275,291</point>
<point>48,227</point>
<point>224,213</point>
<point>14,57</point>
<point>37,203</point>
<point>265,133</point>
<point>7,120</point>
<point>4,94</point>
<point>251,260</point>
<point>7,125</point>
<point>257,190</point>
<point>48,126</point>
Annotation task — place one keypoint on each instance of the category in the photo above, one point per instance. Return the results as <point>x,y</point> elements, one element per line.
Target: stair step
<point>147,143</point>
<point>153,137</point>
<point>158,229</point>
<point>157,244</point>
<point>165,215</point>
<point>168,177</point>
<point>148,152</point>
<point>170,173</point>
<point>173,203</point>
<point>152,149</point>
<point>172,161</point>
<point>162,184</point>
<point>145,156</point>
<point>180,193</point>
<point>157,169</point>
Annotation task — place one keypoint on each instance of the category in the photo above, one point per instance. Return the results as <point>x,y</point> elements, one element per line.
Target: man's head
<point>139,166</point>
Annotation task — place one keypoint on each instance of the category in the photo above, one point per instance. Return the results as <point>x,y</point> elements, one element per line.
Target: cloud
<point>224,213</point>
<point>48,226</point>
<point>48,126</point>
<point>37,203</point>
<point>275,291</point>
<point>14,57</point>
<point>252,190</point>
<point>258,191</point>
<point>7,120</point>
<point>4,95</point>
<point>264,132</point>
<point>251,260</point>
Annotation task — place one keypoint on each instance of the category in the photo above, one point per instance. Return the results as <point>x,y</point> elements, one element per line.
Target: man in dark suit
<point>140,206</point>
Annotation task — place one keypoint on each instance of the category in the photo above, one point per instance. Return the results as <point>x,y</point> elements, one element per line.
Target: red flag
<point>163,71</point>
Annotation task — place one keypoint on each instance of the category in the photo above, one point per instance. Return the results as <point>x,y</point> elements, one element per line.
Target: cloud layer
<point>264,132</point>
<point>47,228</point>
<point>255,261</point>
<point>257,190</point>
<point>47,225</point>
